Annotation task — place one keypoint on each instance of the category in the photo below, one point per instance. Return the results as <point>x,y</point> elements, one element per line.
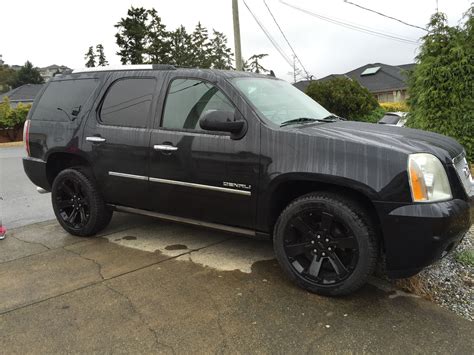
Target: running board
<point>194,222</point>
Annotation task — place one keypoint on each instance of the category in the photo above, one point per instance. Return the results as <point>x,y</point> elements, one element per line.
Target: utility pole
<point>238,49</point>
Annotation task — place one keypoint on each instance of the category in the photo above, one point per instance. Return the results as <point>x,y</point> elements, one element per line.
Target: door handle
<point>165,147</point>
<point>95,139</point>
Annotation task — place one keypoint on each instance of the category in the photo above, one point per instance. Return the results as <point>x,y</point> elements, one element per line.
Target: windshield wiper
<point>301,120</point>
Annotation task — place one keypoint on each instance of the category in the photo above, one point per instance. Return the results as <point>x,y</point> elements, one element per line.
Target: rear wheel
<point>326,244</point>
<point>77,203</point>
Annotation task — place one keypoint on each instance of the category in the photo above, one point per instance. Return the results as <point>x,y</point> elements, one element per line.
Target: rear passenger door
<point>198,174</point>
<point>117,135</point>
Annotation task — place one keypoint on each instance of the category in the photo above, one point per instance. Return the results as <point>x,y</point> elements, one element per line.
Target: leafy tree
<point>7,76</point>
<point>158,39</point>
<point>90,58</point>
<point>343,97</point>
<point>181,48</point>
<point>27,75</point>
<point>101,60</point>
<point>132,36</point>
<point>253,65</point>
<point>200,47</point>
<point>441,87</point>
<point>220,54</point>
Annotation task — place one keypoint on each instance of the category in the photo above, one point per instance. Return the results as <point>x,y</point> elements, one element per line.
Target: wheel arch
<point>291,186</point>
<point>60,160</point>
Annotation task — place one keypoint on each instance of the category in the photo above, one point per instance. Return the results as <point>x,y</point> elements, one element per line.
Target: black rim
<point>320,247</point>
<point>72,204</point>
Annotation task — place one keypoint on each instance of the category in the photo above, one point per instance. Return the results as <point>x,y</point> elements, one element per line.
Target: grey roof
<point>388,78</point>
<point>24,93</point>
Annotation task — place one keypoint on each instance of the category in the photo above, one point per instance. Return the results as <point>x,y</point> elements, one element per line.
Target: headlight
<point>428,179</point>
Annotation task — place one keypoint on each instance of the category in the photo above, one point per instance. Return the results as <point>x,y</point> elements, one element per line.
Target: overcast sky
<point>59,32</point>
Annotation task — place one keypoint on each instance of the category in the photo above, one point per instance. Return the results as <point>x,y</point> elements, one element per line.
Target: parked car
<point>248,154</point>
<point>3,231</point>
<point>394,119</point>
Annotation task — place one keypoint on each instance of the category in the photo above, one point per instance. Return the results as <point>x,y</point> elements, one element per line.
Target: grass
<point>465,257</point>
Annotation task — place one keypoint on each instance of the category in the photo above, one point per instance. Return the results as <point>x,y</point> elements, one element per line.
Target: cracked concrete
<point>215,293</point>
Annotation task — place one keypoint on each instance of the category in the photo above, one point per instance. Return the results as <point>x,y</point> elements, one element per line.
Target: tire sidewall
<point>346,215</point>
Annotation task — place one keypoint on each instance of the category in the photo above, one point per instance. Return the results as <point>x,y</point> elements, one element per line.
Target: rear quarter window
<point>61,97</point>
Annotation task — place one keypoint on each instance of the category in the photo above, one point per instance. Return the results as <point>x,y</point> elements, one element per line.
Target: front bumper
<point>417,235</point>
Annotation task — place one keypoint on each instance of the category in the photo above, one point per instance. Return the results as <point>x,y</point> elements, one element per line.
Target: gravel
<point>448,282</point>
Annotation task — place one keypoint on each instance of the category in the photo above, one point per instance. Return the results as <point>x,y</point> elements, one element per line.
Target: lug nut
<point>324,254</point>
<point>329,248</point>
<point>312,242</point>
<point>319,237</point>
<point>327,240</point>
<point>315,251</point>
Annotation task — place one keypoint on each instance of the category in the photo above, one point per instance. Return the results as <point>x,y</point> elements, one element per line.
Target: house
<point>48,72</point>
<point>388,83</point>
<point>25,94</point>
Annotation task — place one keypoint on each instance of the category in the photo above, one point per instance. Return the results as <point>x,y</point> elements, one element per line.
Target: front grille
<point>464,172</point>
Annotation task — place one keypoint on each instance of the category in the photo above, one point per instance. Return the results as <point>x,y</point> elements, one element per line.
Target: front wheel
<point>326,244</point>
<point>77,203</point>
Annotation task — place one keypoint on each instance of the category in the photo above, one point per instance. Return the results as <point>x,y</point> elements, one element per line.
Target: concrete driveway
<point>146,286</point>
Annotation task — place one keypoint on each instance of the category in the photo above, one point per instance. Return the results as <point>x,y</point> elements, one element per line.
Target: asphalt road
<point>20,204</point>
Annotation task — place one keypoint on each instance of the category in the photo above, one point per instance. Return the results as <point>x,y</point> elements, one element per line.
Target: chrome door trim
<point>195,222</point>
<point>130,176</point>
<point>95,139</point>
<point>200,186</point>
<point>165,147</point>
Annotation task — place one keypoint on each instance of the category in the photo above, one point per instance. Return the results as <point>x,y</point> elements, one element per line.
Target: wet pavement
<point>150,286</point>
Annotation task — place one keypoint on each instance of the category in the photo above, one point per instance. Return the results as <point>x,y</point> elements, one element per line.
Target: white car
<point>394,119</point>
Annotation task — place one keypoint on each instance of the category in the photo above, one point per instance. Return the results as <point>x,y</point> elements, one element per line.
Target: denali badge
<point>237,186</point>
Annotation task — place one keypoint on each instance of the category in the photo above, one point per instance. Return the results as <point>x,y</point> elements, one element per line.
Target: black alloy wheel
<point>72,203</point>
<point>77,202</point>
<point>326,244</point>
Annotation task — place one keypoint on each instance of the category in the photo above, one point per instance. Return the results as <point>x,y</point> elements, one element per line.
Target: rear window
<point>62,97</point>
<point>128,102</point>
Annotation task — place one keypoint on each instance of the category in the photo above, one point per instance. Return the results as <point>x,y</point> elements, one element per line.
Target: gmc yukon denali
<point>249,154</point>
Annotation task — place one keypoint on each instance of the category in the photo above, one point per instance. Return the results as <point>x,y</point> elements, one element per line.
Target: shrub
<point>343,97</point>
<point>441,87</point>
<point>13,119</point>
<point>373,116</point>
<point>395,106</point>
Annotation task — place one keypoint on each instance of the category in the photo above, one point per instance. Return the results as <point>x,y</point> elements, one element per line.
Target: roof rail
<point>127,67</point>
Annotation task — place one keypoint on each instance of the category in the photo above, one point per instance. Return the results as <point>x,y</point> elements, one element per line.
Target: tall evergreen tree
<point>158,49</point>
<point>200,47</point>
<point>28,74</point>
<point>181,48</point>
<point>441,87</point>
<point>101,60</point>
<point>90,57</point>
<point>132,36</point>
<point>253,65</point>
<point>220,54</point>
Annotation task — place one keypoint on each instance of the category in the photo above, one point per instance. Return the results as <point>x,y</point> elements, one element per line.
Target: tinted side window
<point>188,99</point>
<point>127,103</point>
<point>64,95</point>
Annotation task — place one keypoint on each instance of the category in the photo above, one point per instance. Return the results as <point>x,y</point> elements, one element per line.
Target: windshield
<point>389,119</point>
<point>279,101</point>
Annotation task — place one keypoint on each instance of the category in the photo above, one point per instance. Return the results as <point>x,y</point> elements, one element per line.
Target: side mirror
<point>223,121</point>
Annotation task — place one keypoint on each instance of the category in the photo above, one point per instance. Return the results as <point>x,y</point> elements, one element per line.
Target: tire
<point>78,204</point>
<point>326,244</point>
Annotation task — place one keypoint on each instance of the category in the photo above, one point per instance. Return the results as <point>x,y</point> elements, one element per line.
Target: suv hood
<point>406,140</point>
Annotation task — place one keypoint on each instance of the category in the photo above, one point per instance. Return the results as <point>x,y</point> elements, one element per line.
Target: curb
<point>11,144</point>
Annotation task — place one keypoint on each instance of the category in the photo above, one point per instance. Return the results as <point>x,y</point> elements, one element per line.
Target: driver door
<point>198,174</point>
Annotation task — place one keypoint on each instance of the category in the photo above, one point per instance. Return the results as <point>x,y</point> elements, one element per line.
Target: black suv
<point>249,154</point>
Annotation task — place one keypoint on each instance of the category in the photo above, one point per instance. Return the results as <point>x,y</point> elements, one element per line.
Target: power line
<point>352,25</point>
<point>387,16</point>
<point>270,38</point>
<point>286,39</point>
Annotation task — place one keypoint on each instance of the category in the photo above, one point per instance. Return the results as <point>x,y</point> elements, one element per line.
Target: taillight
<point>26,136</point>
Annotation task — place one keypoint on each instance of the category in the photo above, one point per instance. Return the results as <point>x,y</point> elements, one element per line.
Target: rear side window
<point>62,97</point>
<point>128,102</point>
<point>188,99</point>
